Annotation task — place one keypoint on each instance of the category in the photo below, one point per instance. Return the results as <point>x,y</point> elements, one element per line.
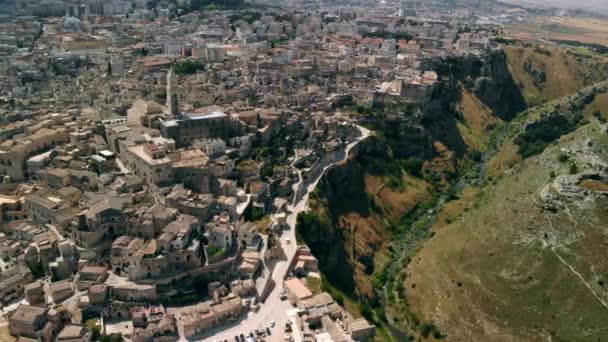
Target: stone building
<point>210,314</point>
<point>31,322</point>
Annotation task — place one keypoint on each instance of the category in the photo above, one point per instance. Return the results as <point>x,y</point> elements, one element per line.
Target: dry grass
<point>489,277</point>
<point>565,72</point>
<point>452,211</point>
<point>600,103</point>
<point>368,236</point>
<point>264,224</point>
<point>314,284</point>
<point>477,120</point>
<point>477,115</point>
<point>587,30</point>
<point>395,204</point>
<point>503,160</point>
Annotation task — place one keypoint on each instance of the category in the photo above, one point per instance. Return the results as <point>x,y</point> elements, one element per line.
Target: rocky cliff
<point>328,230</point>
<point>359,203</point>
<point>370,210</point>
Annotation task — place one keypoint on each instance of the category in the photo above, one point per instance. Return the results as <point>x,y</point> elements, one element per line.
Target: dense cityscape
<point>157,156</point>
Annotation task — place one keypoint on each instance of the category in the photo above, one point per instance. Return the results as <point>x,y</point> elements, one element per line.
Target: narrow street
<point>274,309</point>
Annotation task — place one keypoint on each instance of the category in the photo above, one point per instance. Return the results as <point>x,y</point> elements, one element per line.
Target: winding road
<point>274,309</point>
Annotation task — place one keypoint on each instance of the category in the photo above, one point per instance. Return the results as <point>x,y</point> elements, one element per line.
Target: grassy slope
<point>588,30</point>
<point>566,71</point>
<point>369,235</point>
<point>477,120</point>
<point>492,276</point>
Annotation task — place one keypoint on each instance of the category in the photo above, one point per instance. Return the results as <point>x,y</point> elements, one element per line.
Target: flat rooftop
<point>140,153</point>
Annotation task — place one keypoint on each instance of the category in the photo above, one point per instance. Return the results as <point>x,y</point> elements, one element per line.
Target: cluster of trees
<point>412,166</point>
<point>248,16</point>
<point>188,67</point>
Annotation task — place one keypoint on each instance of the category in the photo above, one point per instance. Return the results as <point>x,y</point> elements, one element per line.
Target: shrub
<point>474,155</point>
<point>256,214</point>
<point>115,337</point>
<point>367,312</point>
<point>339,298</point>
<point>268,171</point>
<point>428,329</point>
<point>413,166</point>
<point>538,135</point>
<point>395,183</point>
<point>563,158</point>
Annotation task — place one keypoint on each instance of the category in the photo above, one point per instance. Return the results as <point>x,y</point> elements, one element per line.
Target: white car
<point>272,324</point>
<point>287,240</point>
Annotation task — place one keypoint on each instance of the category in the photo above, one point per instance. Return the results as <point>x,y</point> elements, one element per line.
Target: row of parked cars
<point>258,334</point>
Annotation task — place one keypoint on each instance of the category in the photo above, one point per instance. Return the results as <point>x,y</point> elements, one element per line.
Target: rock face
<point>411,129</point>
<point>353,216</point>
<point>341,191</point>
<point>539,77</point>
<point>348,229</point>
<point>489,79</point>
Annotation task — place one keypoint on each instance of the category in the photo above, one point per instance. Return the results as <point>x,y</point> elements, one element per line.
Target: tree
<point>268,171</point>
<point>256,214</point>
<point>96,333</point>
<point>367,312</point>
<point>339,298</point>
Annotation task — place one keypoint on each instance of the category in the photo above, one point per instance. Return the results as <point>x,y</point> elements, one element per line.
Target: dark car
<point>236,339</point>
<point>268,331</point>
<point>242,338</point>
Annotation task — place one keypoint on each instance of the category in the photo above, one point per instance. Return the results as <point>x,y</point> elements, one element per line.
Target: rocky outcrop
<point>326,229</point>
<point>343,207</point>
<point>489,79</point>
<point>539,77</point>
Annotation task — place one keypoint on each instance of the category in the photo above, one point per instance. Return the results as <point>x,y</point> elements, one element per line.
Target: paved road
<point>274,308</point>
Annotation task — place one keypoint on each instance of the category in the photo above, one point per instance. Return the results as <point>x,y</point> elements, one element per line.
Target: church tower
<point>173,94</point>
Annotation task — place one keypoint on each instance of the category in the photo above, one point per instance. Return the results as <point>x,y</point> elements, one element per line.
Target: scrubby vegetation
<point>379,274</point>
<point>538,135</point>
